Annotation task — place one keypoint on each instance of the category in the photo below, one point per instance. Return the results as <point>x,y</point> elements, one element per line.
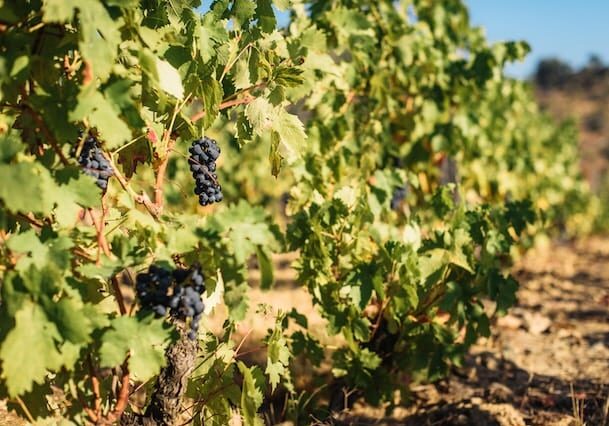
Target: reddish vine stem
<point>227,104</point>
<point>123,397</point>
<point>95,387</point>
<point>102,243</point>
<point>29,219</point>
<point>119,296</point>
<point>251,351</point>
<point>90,413</point>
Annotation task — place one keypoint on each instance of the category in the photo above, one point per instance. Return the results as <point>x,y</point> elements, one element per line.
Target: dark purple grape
<point>93,162</point>
<point>177,292</point>
<point>204,153</point>
<point>160,310</point>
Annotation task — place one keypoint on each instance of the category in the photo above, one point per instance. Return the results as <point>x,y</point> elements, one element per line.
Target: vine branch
<point>123,397</point>
<point>224,105</point>
<point>160,176</point>
<point>47,134</point>
<point>138,198</point>
<point>119,296</point>
<point>95,387</point>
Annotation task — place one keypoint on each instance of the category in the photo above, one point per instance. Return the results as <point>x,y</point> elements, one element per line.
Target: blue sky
<point>567,29</point>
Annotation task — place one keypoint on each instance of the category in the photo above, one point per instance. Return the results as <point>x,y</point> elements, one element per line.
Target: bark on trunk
<point>166,400</point>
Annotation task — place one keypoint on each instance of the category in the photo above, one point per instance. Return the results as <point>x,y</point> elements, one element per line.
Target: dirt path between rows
<point>547,362</point>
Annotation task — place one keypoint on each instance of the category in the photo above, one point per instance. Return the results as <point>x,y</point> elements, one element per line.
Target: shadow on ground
<point>491,391</point>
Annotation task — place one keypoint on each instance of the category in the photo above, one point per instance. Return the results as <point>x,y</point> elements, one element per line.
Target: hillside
<point>584,96</point>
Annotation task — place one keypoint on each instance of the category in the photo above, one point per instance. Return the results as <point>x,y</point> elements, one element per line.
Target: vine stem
<point>138,198</point>
<point>160,176</point>
<point>90,413</point>
<point>25,409</point>
<point>123,397</point>
<point>95,387</point>
<point>119,296</point>
<point>47,133</point>
<point>29,219</point>
<point>227,104</point>
<point>242,342</point>
<point>102,243</point>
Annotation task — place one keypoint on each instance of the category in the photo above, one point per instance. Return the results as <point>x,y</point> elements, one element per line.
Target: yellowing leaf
<point>169,79</point>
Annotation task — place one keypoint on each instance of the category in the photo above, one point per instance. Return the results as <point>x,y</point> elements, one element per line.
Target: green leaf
<point>266,268</point>
<point>278,358</point>
<point>246,228</point>
<point>100,38</point>
<point>71,321</point>
<point>263,116</point>
<point>291,134</point>
<point>212,96</point>
<point>243,10</point>
<point>40,253</point>
<point>260,114</point>
<point>210,34</point>
<point>266,16</point>
<point>251,397</point>
<point>34,183</point>
<point>29,350</point>
<point>59,10</point>
<point>103,115</point>
<point>76,190</point>
<point>144,339</point>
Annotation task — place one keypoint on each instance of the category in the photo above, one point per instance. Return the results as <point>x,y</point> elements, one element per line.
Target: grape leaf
<point>100,38</point>
<point>143,339</point>
<point>34,183</point>
<point>291,133</point>
<point>69,316</point>
<point>243,10</point>
<point>59,10</point>
<point>266,16</point>
<point>169,79</point>
<point>251,397</point>
<point>29,350</point>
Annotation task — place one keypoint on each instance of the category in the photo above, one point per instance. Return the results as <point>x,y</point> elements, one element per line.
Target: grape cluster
<point>398,196</point>
<point>176,292</point>
<point>94,163</point>
<point>203,155</point>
